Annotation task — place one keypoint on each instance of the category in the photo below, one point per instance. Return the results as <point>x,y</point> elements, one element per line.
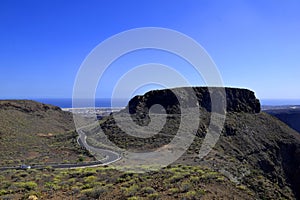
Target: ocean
<point>67,102</point>
<point>279,102</point>
<point>106,102</point>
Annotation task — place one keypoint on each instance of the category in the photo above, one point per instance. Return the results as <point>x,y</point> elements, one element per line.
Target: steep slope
<point>255,151</point>
<point>289,115</point>
<point>31,132</point>
<point>260,152</point>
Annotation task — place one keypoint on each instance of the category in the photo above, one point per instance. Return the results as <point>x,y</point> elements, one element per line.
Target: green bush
<point>94,193</point>
<point>51,186</point>
<point>133,198</point>
<point>131,190</point>
<point>185,186</point>
<point>194,179</point>
<point>153,196</point>
<point>191,195</point>
<point>3,192</point>
<point>148,190</point>
<point>90,179</point>
<point>26,185</point>
<point>174,190</point>
<point>176,178</point>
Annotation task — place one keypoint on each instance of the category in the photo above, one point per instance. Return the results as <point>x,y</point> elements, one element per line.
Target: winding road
<point>110,157</point>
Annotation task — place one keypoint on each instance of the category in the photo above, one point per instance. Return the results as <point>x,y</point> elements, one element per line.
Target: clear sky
<point>255,44</point>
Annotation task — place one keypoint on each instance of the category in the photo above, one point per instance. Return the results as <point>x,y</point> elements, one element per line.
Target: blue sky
<point>255,44</point>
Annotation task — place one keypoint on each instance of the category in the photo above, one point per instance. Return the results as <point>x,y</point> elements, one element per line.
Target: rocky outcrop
<point>236,100</point>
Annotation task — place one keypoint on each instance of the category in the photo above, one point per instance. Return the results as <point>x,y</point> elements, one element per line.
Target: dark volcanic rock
<point>242,100</point>
<point>237,100</point>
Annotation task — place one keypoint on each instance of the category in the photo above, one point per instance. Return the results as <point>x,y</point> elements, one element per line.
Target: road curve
<point>110,156</point>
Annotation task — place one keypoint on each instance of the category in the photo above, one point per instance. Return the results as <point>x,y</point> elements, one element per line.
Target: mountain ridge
<point>254,149</point>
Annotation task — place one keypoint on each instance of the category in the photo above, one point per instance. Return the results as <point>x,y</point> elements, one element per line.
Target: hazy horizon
<point>122,102</point>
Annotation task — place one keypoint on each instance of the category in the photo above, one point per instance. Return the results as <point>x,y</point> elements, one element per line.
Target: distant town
<point>98,111</point>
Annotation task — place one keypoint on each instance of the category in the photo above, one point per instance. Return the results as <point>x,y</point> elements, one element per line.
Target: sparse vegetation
<point>104,182</point>
<point>39,133</point>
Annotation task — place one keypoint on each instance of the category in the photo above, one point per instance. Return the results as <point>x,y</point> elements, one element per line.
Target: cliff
<point>237,100</point>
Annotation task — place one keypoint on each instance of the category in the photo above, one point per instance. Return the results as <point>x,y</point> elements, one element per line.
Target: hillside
<point>255,151</point>
<point>288,114</point>
<point>31,132</point>
<point>256,157</point>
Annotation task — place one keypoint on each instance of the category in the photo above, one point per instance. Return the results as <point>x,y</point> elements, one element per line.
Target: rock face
<point>236,100</point>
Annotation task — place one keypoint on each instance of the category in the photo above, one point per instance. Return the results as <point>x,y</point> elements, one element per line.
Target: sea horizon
<point>122,102</point>
<point>67,102</point>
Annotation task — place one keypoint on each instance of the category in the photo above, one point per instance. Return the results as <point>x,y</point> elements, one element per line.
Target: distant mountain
<point>255,151</point>
<point>288,114</point>
<point>32,132</point>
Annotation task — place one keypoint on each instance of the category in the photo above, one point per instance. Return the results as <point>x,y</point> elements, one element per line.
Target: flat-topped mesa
<point>237,100</point>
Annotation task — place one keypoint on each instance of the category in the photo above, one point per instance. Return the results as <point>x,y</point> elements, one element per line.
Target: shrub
<point>94,193</point>
<point>80,158</point>
<point>3,192</point>
<point>75,190</point>
<point>133,198</point>
<point>176,178</point>
<point>23,175</point>
<point>90,179</point>
<point>131,190</point>
<point>26,185</point>
<point>71,181</point>
<point>241,187</point>
<point>201,192</point>
<point>185,186</point>
<point>148,190</point>
<point>153,196</point>
<point>191,195</point>
<point>174,190</point>
<point>51,186</point>
<point>210,175</point>
<point>194,179</point>
<point>5,184</point>
<point>121,180</point>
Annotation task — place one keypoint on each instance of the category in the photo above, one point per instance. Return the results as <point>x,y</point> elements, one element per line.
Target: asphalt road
<point>59,166</point>
<point>110,156</point>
